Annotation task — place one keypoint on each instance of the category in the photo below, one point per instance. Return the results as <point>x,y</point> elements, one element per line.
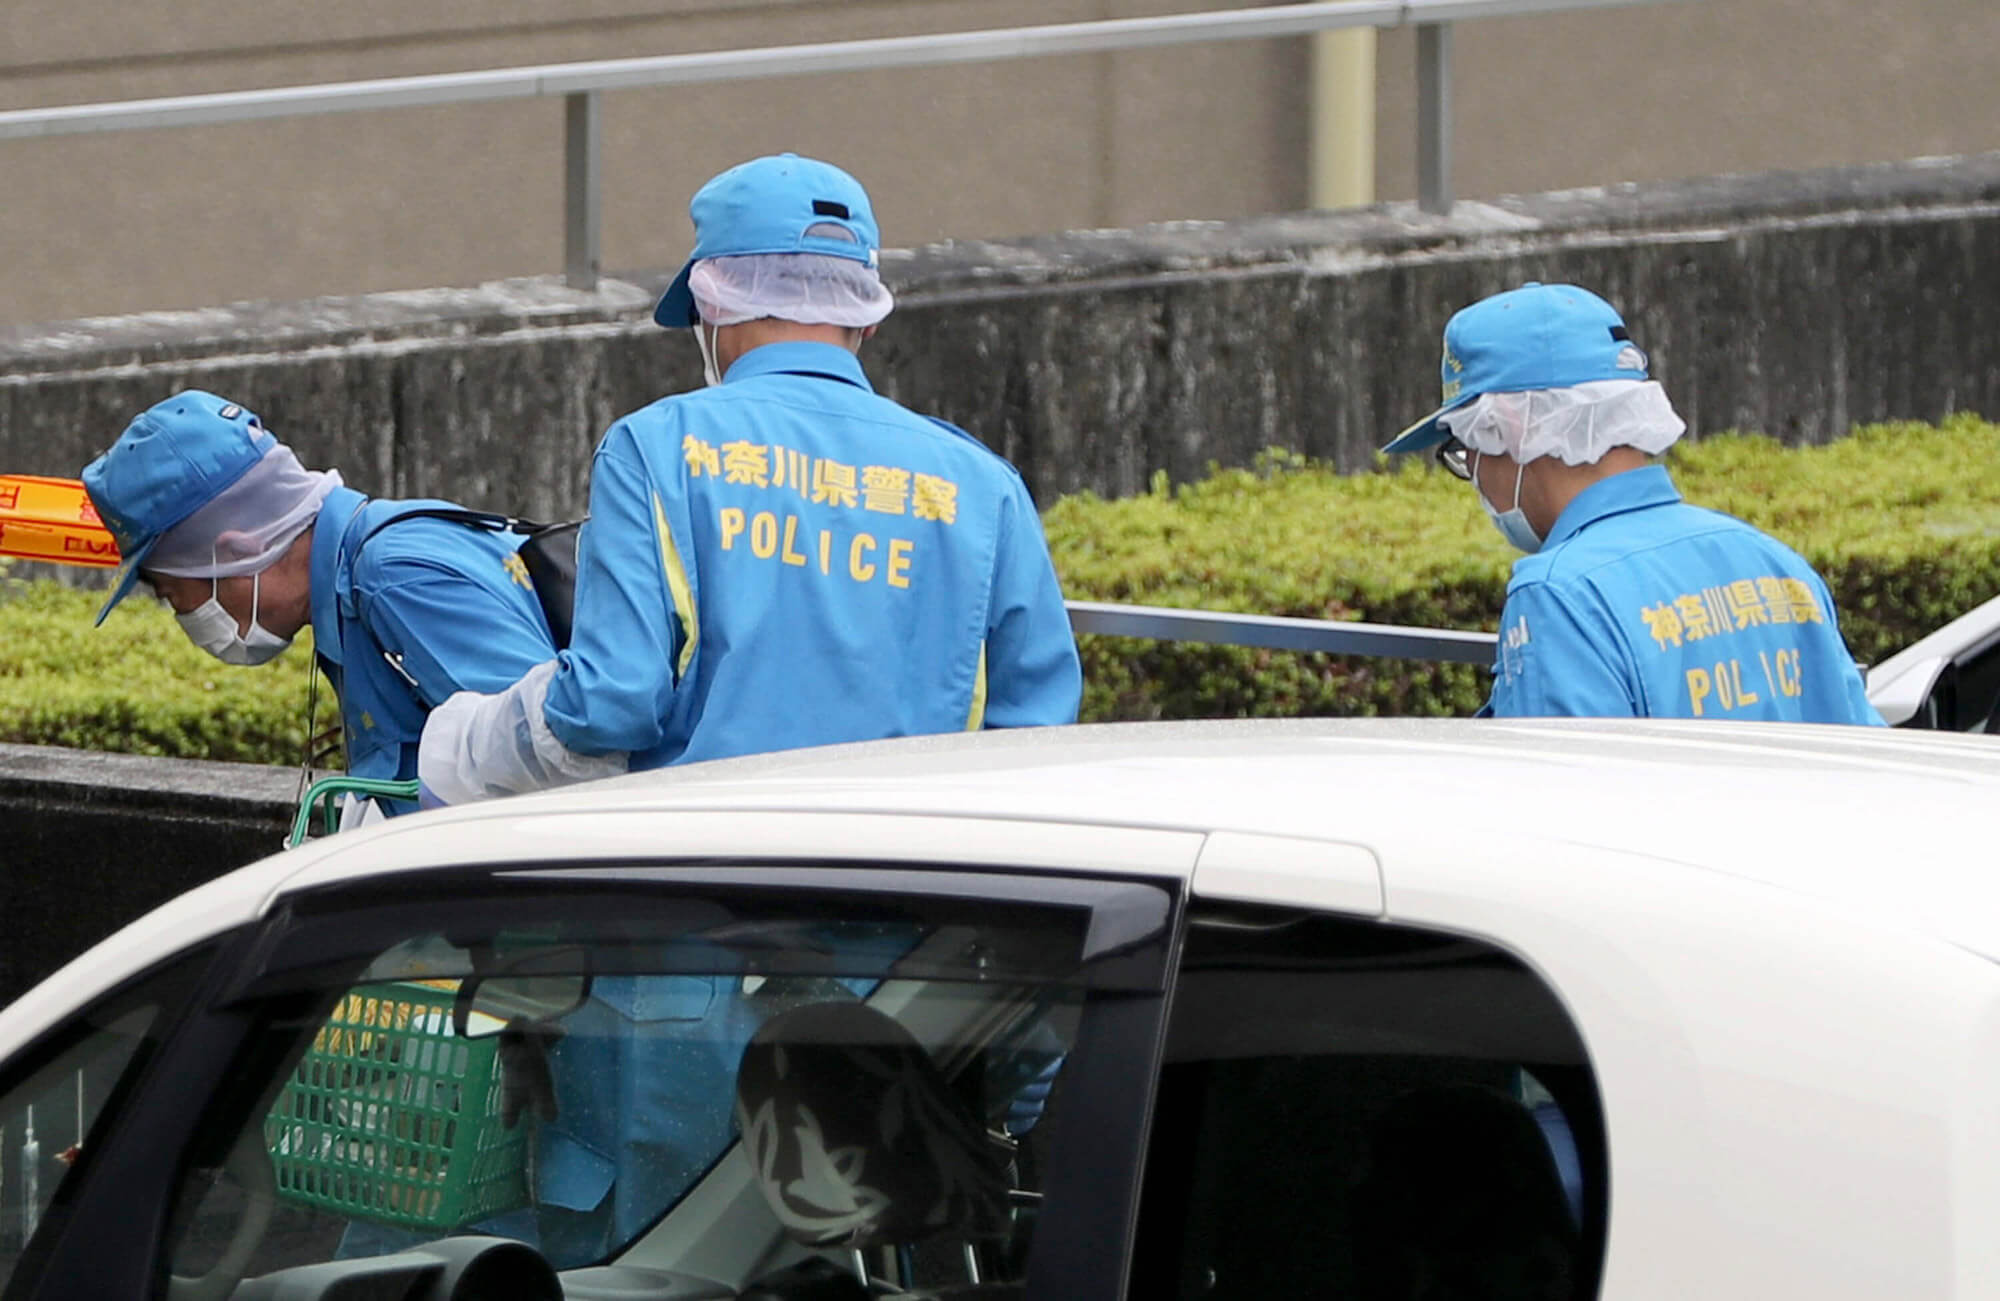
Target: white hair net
<point>1577,424</point>
<point>247,525</point>
<point>809,288</point>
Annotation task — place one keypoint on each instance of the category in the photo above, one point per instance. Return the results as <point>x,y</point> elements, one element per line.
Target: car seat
<point>856,1140</point>
<point>1462,1200</point>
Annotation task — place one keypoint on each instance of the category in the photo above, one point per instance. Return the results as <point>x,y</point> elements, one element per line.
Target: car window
<point>1966,694</point>
<point>561,1070</point>
<point>57,1093</point>
<point>1976,691</point>
<point>1348,1109</point>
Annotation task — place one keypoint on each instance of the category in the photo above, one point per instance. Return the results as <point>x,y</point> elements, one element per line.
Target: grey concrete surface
<point>1794,303</point>
<point>90,842</point>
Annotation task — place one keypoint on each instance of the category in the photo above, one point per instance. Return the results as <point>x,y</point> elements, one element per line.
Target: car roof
<point>1842,813</point>
<point>1608,780</point>
<point>1895,822</point>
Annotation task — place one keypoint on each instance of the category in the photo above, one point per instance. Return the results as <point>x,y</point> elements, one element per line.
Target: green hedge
<point>138,685</point>
<point>1903,520</point>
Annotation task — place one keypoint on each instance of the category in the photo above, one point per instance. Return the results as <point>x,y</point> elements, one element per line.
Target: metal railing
<point>582,84</point>
<point>1272,632</point>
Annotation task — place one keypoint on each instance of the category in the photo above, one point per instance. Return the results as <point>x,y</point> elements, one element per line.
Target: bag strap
<point>484,519</point>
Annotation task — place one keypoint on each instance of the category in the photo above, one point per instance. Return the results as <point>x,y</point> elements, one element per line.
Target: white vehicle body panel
<point>1781,1077</point>
<point>1777,942</point>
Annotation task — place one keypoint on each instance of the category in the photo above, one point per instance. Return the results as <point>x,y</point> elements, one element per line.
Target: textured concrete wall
<point>89,842</point>
<point>1793,303</point>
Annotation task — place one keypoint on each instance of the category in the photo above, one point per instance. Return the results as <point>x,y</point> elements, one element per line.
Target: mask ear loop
<point>1520,475</point>
<point>215,592</point>
<point>710,373</point>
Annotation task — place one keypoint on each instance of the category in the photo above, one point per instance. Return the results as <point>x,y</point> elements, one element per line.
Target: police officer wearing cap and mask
<point>1629,601</point>
<point>784,558</point>
<point>221,521</point>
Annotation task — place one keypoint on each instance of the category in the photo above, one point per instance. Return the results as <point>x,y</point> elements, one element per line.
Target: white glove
<point>356,812</point>
<point>476,747</point>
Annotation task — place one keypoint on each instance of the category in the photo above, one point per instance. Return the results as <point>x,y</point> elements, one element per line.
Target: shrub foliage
<point>1903,520</point>
<point>138,685</point>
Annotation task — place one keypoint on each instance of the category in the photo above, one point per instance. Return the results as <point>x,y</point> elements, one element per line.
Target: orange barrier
<point>52,520</point>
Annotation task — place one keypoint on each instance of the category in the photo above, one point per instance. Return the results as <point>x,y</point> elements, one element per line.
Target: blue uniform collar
<point>1631,490</point>
<point>336,516</point>
<point>824,359</point>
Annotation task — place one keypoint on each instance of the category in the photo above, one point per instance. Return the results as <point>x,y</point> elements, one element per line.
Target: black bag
<point>549,554</point>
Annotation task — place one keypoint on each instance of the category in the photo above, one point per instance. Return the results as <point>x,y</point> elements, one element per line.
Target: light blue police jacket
<point>426,608</point>
<point>1639,604</point>
<point>789,559</point>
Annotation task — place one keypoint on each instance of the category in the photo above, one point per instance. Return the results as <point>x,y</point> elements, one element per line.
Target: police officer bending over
<point>248,546</point>
<point>1629,601</point>
<point>784,558</point>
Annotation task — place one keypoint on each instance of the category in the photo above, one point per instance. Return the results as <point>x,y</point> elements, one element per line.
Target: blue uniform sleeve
<point>452,633</point>
<point>1861,711</point>
<point>1555,661</point>
<point>1033,675</point>
<point>612,687</point>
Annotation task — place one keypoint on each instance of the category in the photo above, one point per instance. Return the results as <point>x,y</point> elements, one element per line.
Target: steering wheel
<point>249,1164</point>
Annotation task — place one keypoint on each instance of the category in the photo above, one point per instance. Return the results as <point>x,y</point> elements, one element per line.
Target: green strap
<point>325,795</point>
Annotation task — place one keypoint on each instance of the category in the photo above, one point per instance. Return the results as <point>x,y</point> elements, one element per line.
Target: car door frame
<point>104,1249</point>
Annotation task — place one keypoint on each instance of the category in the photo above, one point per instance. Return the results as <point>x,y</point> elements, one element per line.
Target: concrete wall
<point>89,842</point>
<point>1796,303</point>
<point>282,210</point>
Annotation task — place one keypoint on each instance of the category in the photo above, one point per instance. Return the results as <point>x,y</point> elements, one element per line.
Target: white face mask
<point>704,339</point>
<point>1513,524</point>
<point>213,628</point>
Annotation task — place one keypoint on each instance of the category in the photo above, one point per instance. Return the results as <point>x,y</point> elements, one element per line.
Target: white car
<point>1948,680</point>
<point>1371,1009</point>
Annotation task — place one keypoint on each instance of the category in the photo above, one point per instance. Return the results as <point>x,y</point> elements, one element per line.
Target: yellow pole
<point>1342,165</point>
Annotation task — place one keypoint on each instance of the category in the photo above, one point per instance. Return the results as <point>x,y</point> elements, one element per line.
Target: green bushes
<point>1903,520</point>
<point>137,685</point>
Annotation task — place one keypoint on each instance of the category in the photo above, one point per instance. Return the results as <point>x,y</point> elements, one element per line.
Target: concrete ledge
<point>1796,303</point>
<point>89,842</point>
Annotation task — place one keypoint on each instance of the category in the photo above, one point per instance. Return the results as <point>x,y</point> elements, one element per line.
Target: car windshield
<point>564,1070</point>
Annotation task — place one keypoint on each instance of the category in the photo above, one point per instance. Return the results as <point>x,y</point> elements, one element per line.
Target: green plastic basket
<point>325,798</point>
<point>392,1117</point>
